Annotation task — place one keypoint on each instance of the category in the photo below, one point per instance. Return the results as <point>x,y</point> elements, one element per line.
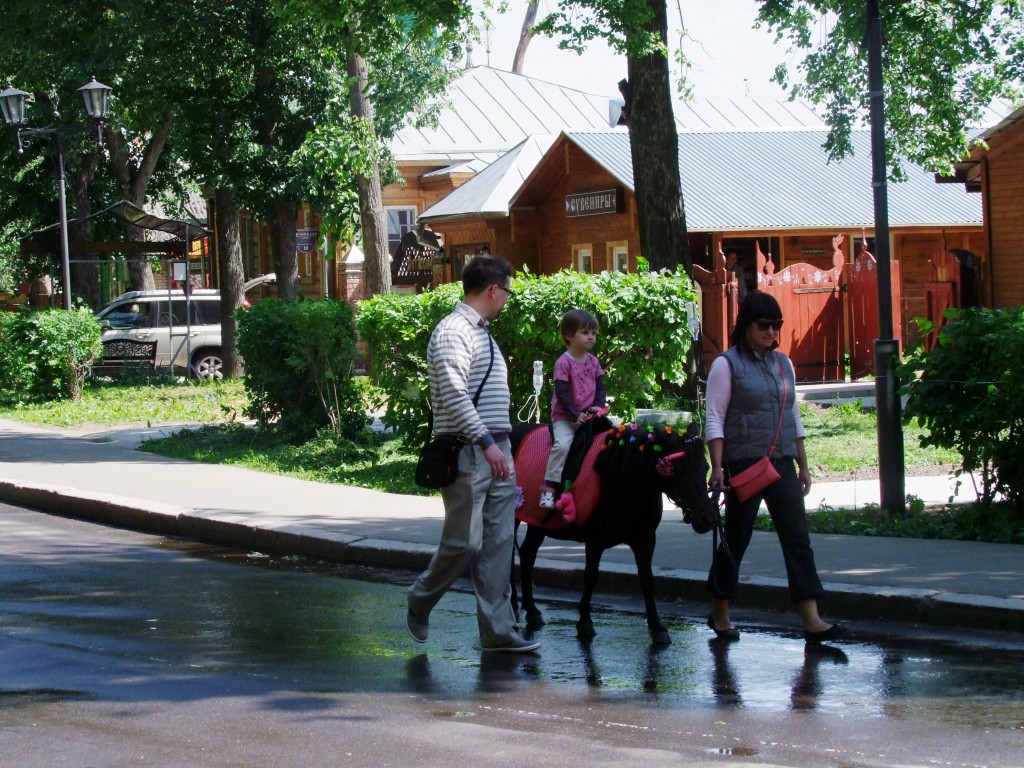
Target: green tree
<point>944,63</point>
<point>399,55</point>
<point>639,29</point>
<point>50,53</point>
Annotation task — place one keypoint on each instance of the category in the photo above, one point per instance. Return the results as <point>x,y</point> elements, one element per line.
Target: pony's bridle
<point>665,467</point>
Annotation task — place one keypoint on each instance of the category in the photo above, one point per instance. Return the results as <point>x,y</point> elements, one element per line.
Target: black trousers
<point>785,501</point>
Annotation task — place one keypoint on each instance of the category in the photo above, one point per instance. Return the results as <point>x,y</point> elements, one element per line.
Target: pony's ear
<point>693,430</point>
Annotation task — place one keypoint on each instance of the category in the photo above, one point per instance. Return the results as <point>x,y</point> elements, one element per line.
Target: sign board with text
<point>305,239</point>
<point>594,203</point>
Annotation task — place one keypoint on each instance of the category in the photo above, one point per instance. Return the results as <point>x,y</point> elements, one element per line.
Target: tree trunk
<point>132,182</point>
<point>85,281</point>
<point>140,271</point>
<point>232,277</point>
<point>525,36</point>
<point>286,263</point>
<point>377,259</point>
<point>654,145</point>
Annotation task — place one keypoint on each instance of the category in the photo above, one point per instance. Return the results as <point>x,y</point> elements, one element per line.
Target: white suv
<point>166,330</point>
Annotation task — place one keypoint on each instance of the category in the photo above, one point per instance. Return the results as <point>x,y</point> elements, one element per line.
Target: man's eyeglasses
<point>509,291</point>
<point>764,325</point>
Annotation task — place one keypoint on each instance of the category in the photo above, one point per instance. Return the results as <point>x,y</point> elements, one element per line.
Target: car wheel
<point>208,364</point>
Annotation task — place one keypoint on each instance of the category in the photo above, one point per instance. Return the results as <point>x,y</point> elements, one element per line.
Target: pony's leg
<point>527,557</point>
<point>643,553</point>
<point>585,624</point>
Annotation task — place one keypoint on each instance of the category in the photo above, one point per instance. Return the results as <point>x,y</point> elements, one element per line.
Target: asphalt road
<point>120,648</point>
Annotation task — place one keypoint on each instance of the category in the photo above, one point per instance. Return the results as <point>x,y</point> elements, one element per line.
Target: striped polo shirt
<point>457,361</point>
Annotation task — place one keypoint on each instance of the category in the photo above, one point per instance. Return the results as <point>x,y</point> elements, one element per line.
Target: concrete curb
<point>151,516</point>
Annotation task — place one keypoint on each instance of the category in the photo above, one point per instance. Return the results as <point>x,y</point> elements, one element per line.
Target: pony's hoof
<point>661,638</point>
<point>534,620</point>
<point>585,629</point>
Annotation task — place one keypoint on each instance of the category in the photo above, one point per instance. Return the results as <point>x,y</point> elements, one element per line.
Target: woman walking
<point>752,413</point>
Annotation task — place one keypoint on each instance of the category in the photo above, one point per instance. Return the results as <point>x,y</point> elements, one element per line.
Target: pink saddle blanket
<point>531,462</point>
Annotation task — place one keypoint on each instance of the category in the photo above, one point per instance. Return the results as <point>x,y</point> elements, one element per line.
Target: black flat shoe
<point>723,634</point>
<point>832,633</point>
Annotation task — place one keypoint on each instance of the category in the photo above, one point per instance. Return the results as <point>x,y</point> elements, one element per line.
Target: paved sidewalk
<point>100,475</point>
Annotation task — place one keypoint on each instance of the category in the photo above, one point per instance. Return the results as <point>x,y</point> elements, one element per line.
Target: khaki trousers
<point>478,532</point>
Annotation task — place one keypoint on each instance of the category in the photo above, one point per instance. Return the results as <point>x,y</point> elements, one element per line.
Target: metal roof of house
<point>778,179</point>
<point>490,191</point>
<point>784,180</point>
<point>489,111</point>
<point>722,114</point>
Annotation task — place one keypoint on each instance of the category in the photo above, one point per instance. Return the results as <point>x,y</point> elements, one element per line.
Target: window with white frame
<point>583,258</point>
<point>618,257</point>
<point>400,220</point>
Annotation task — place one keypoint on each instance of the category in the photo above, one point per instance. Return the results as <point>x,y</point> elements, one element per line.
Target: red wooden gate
<point>861,281</point>
<point>940,293</point>
<point>812,306</point>
<point>815,311</point>
<point>720,303</point>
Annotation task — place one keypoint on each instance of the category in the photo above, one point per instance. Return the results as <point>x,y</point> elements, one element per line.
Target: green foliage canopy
<point>944,63</point>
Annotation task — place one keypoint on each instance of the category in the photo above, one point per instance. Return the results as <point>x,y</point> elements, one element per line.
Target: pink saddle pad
<point>531,462</point>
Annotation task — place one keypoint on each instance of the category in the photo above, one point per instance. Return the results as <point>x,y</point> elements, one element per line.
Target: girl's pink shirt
<point>582,378</point>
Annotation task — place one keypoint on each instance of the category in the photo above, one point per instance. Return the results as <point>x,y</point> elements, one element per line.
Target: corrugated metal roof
<point>721,114</point>
<point>489,191</point>
<point>782,180</point>
<point>490,110</point>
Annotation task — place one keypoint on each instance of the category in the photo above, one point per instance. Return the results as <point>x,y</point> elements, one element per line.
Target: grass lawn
<point>842,443</point>
<point>122,404</point>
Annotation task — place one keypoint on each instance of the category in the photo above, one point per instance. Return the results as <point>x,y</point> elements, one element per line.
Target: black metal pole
<point>62,204</point>
<point>892,480</point>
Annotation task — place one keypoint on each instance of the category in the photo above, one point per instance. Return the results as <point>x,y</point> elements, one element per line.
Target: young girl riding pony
<point>579,394</point>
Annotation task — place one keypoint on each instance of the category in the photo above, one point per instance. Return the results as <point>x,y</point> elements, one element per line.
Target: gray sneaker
<point>515,644</point>
<point>418,629</point>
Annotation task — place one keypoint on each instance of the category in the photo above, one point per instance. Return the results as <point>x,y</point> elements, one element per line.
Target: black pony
<point>634,477</point>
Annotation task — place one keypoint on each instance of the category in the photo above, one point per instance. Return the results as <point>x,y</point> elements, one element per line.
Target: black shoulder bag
<point>439,458</point>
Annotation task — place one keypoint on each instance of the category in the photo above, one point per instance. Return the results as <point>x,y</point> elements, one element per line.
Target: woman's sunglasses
<point>764,325</point>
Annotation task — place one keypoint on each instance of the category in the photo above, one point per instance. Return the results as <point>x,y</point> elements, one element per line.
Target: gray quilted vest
<point>753,413</point>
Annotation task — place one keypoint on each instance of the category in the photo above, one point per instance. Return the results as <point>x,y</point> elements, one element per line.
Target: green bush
<point>298,360</point>
<point>969,393</point>
<point>47,354</point>
<point>11,367</point>
<point>642,344</point>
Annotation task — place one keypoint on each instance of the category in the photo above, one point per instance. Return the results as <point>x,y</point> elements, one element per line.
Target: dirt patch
<point>820,475</point>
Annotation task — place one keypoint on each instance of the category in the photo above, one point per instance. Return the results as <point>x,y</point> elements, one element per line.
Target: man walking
<point>470,396</point>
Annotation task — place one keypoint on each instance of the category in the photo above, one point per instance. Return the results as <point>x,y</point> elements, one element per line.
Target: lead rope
<point>719,547</point>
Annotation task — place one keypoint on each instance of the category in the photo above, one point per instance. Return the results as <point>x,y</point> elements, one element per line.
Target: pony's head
<point>662,457</point>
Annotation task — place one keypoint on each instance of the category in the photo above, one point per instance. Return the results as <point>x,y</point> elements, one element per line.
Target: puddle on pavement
<point>734,751</point>
<point>30,696</point>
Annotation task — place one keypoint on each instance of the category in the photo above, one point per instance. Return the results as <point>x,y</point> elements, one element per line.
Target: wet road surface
<point>119,648</point>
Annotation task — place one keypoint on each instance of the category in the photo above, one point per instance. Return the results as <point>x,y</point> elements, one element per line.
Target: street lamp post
<point>891,473</point>
<point>96,98</point>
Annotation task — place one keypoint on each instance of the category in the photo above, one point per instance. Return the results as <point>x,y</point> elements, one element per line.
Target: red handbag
<point>754,478</point>
<point>762,472</point>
